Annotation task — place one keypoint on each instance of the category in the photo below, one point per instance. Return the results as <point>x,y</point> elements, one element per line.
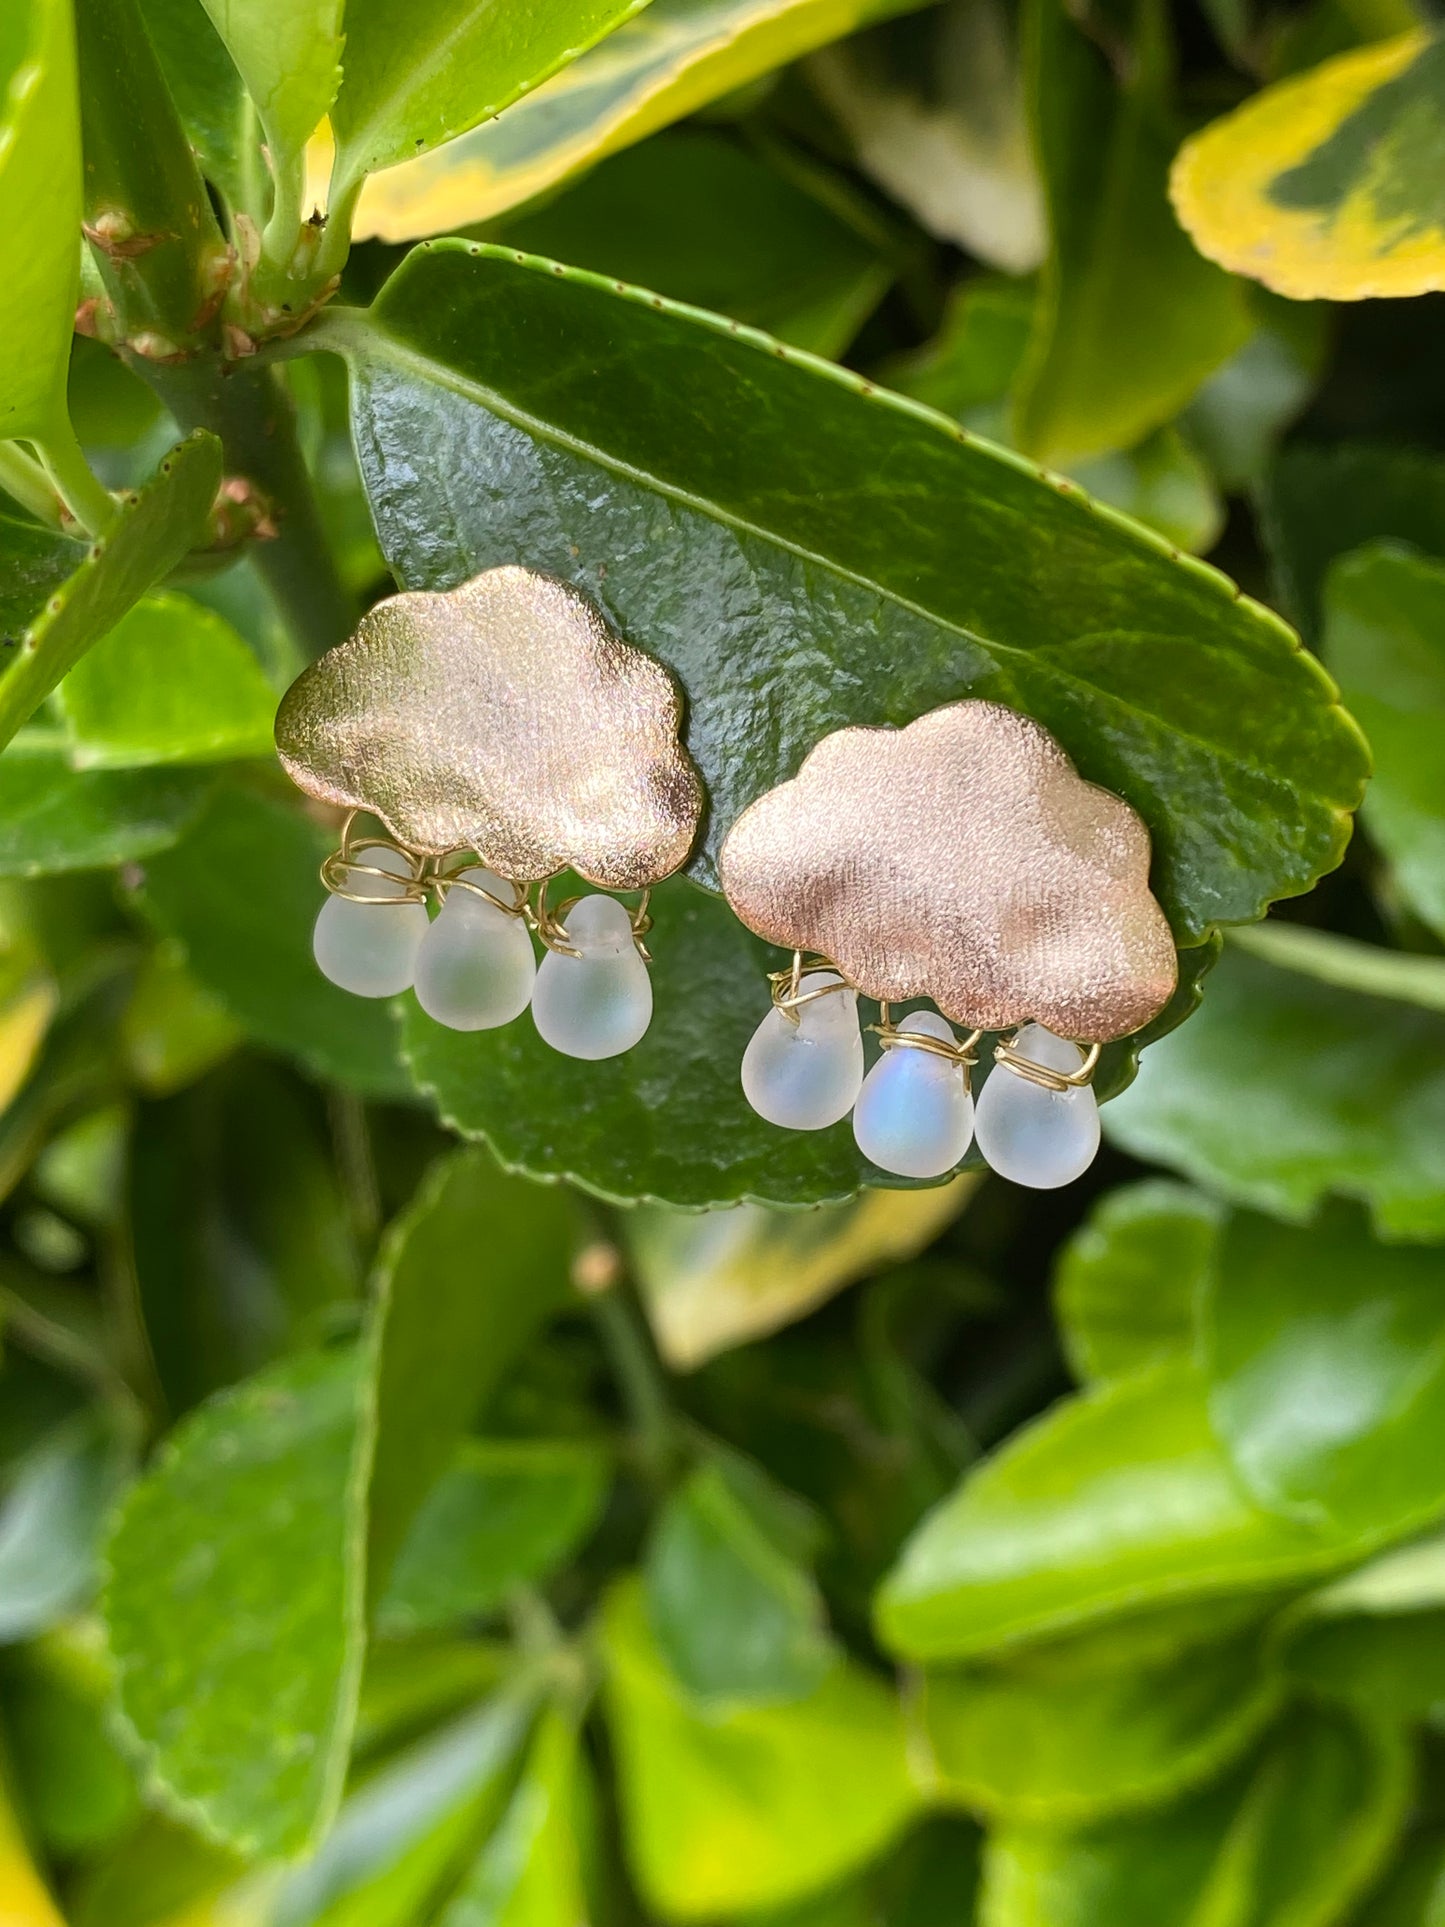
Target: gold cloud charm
<point>502,717</point>
<point>965,860</point>
<point>500,732</point>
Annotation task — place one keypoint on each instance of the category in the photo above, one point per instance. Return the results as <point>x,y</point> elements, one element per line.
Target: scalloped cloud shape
<point>963,859</point>
<point>505,717</point>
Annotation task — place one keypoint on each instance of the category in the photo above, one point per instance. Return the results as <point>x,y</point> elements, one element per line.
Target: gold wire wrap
<point>1041,1074</point>
<point>341,865</point>
<point>442,881</point>
<point>789,997</point>
<point>549,923</point>
<point>965,1054</point>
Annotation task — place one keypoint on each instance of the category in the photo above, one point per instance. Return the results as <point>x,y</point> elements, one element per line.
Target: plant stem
<point>25,481</point>
<point>91,505</point>
<point>639,1377</point>
<point>251,411</point>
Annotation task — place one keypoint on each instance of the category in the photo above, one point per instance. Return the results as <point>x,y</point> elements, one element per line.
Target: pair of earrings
<point>501,733</point>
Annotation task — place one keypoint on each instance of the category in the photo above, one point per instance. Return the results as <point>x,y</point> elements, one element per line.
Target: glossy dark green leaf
<point>408,84</point>
<point>731,1606</point>
<point>154,528</point>
<point>1319,502</point>
<point>405,1832</point>
<point>234,1603</point>
<point>1132,319</point>
<point>1285,1089</point>
<point>1377,1636</point>
<point>240,894</point>
<point>1068,1733</point>
<point>1288,1841</point>
<point>1115,1500</point>
<point>1161,682</point>
<point>466,1276</point>
<point>1128,1283</point>
<point>171,683</point>
<point>55,818</point>
<point>507,1513</point>
<point>738,1809</point>
<point>1384,608</point>
<point>50,1524</point>
<point>1326,1357</point>
<point>697,217</point>
<point>219,120</point>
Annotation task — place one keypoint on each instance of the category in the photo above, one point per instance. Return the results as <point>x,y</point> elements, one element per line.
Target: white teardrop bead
<point>1034,1136</point>
<point>371,951</point>
<point>598,1004</point>
<point>476,967</point>
<point>806,1075</point>
<point>914,1114</point>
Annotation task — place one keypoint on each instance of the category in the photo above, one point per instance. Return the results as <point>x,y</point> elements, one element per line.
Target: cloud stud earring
<point>501,734</point>
<point>963,860</point>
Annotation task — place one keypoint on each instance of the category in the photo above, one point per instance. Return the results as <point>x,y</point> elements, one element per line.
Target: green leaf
<point>403,1832</point>
<point>411,82</point>
<point>33,564</point>
<point>219,118</point>
<point>1412,1894</point>
<point>50,1523</point>
<point>467,1276</point>
<point>732,1810</point>
<point>152,530</point>
<point>1063,1734</point>
<point>1401,976</point>
<point>171,683</point>
<point>234,1603</point>
<point>506,1514</point>
<point>1285,1089</point>
<point>172,1031</point>
<point>240,893</point>
<point>694,216</point>
<point>667,1119</point>
<point>288,52</point>
<point>1383,615</point>
<point>1131,319</point>
<point>1115,1500</point>
<point>1162,483</point>
<point>531,1871</point>
<point>1376,1637</point>
<point>1319,502</point>
<point>1128,1283</point>
<point>1326,1358</point>
<point>79,1790</point>
<point>732,1608</point>
<point>1323,186</point>
<point>1289,1841</point>
<point>712,1281</point>
<point>1238,415</point>
<point>54,818</point>
<point>1160,681</point>
<point>969,366</point>
<point>40,200</point>
<point>660,67</point>
<point>934,109</point>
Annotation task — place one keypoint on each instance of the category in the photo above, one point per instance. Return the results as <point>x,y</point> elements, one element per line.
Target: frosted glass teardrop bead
<point>370,948</point>
<point>914,1114</point>
<point>598,1004</point>
<point>1037,1137</point>
<point>476,967</point>
<point>807,1074</point>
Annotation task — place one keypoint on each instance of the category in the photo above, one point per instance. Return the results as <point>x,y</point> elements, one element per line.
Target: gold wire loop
<point>442,881</point>
<point>1041,1074</point>
<point>342,865</point>
<point>963,1051</point>
<point>549,923</point>
<point>786,985</point>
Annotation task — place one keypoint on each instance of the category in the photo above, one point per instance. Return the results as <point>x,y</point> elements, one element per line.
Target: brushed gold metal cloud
<point>962,859</point>
<point>505,717</point>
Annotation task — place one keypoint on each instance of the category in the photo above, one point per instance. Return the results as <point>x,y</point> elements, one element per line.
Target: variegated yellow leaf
<point>666,63</point>
<point>1328,185</point>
